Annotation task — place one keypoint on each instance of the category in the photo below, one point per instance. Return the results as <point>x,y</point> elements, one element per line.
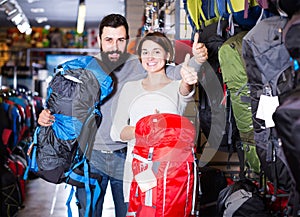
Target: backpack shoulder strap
<point>235,201</point>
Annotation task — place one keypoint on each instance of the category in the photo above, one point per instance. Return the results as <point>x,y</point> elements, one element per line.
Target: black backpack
<point>269,73</point>
<point>61,152</point>
<point>241,199</point>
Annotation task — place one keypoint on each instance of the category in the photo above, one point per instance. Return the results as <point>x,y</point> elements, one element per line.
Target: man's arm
<point>200,55</point>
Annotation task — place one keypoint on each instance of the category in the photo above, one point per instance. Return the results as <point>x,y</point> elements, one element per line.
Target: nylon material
<point>105,81</point>
<point>257,37</point>
<point>87,100</point>
<point>193,9</point>
<point>171,181</point>
<point>251,159</point>
<point>233,76</point>
<point>222,7</point>
<point>63,87</point>
<point>175,185</point>
<point>78,63</point>
<point>279,56</point>
<point>161,138</point>
<point>59,105</point>
<point>66,127</point>
<point>282,176</point>
<point>242,114</point>
<point>261,138</point>
<point>161,126</point>
<point>235,201</point>
<point>52,153</point>
<point>166,153</point>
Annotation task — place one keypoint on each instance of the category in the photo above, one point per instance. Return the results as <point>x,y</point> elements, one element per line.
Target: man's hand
<point>189,77</point>
<point>188,73</point>
<point>199,50</point>
<point>45,118</point>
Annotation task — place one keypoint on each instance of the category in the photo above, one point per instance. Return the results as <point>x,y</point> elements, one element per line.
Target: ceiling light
<point>8,7</point>
<point>17,19</point>
<point>41,19</point>
<point>31,1</point>
<point>81,17</point>
<point>37,10</point>
<point>28,31</point>
<point>23,26</point>
<point>15,14</point>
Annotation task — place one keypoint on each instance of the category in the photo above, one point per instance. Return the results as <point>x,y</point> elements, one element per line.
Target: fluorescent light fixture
<point>23,26</point>
<point>17,19</point>
<point>32,1</point>
<point>37,10</point>
<point>41,19</point>
<point>8,7</point>
<point>15,14</point>
<point>28,31</point>
<point>81,17</point>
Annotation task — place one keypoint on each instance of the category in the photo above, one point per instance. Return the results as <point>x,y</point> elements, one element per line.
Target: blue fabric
<point>77,63</point>
<point>113,173</point>
<point>296,65</point>
<point>23,103</point>
<point>32,165</point>
<point>16,119</point>
<point>66,127</point>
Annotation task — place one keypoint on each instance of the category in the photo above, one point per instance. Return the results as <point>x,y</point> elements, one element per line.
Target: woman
<point>154,94</point>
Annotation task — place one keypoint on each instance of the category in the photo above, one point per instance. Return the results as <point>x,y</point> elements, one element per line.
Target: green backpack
<point>234,76</point>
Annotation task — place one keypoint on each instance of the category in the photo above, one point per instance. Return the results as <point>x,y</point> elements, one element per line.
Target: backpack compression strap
<point>87,182</point>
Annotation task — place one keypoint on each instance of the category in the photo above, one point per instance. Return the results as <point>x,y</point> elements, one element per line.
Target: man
<point>108,157</point>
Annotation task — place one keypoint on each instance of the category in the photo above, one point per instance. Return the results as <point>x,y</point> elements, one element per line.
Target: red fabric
<point>172,137</point>
<point>18,170</point>
<point>182,47</point>
<point>6,135</point>
<point>281,202</point>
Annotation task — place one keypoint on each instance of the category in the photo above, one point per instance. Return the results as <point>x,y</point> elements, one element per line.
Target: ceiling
<point>63,13</point>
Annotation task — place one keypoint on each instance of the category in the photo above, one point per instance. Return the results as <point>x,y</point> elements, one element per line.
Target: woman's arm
<point>121,115</point>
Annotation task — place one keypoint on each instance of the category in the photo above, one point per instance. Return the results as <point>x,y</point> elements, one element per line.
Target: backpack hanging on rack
<point>235,77</point>
<point>270,75</point>
<point>287,115</point>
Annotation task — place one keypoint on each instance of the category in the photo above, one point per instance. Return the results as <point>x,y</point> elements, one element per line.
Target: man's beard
<point>114,65</point>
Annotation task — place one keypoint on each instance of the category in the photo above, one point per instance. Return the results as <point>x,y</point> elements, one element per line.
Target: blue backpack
<point>60,153</point>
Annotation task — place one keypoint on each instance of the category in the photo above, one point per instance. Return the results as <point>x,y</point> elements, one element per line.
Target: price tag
<point>266,107</point>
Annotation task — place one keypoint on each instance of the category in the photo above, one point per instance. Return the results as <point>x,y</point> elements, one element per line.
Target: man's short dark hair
<point>114,20</point>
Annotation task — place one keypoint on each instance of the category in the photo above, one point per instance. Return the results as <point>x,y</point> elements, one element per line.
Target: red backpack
<point>163,167</point>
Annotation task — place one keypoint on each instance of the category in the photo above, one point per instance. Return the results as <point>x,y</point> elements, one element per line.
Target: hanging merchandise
<point>234,76</point>
<point>153,21</point>
<point>271,77</point>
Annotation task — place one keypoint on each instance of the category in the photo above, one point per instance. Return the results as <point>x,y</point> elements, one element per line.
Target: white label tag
<point>146,179</point>
<point>266,107</point>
